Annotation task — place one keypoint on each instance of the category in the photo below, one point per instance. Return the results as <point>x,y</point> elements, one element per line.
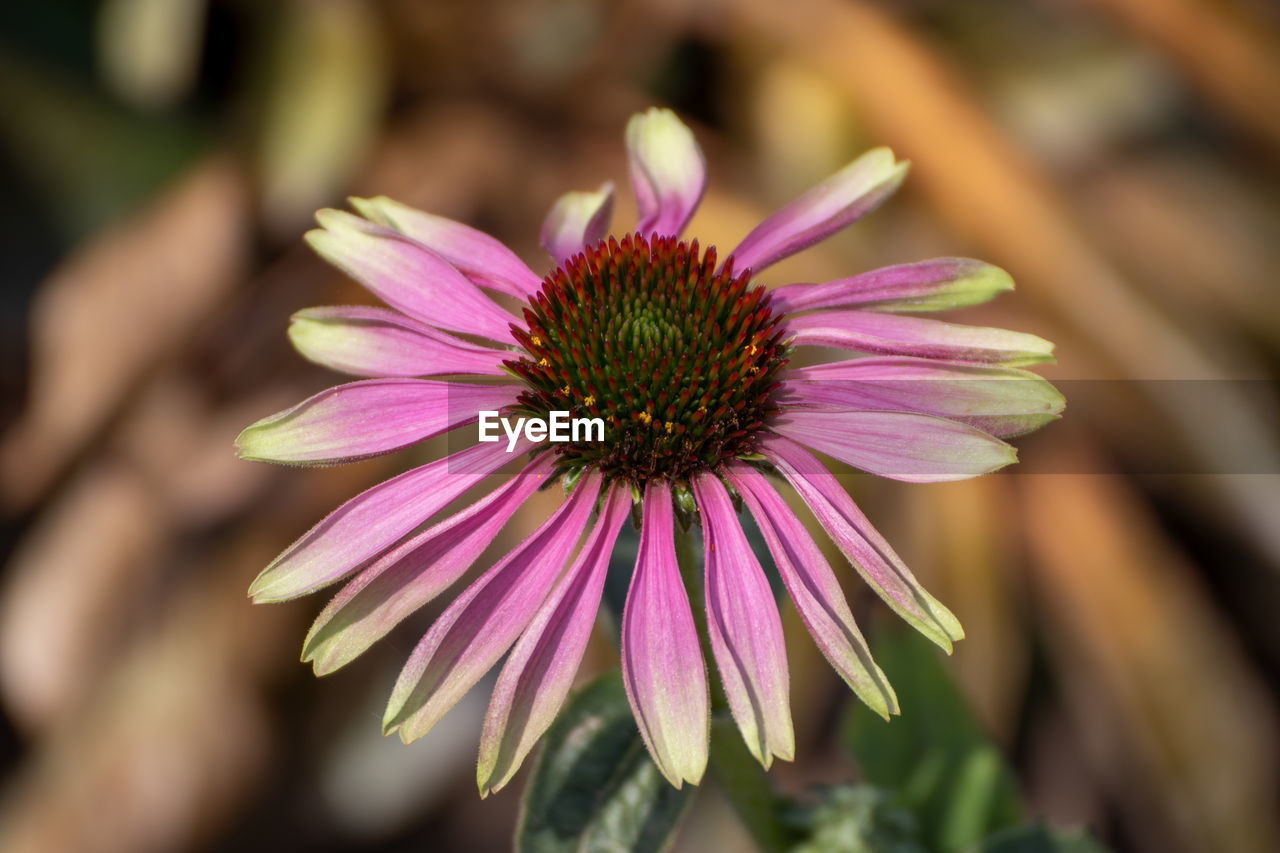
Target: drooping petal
<point>898,445</point>
<point>483,622</point>
<point>577,220</point>
<point>373,521</point>
<point>861,544</point>
<point>668,171</point>
<point>413,573</point>
<point>891,334</point>
<point>662,667</point>
<point>540,669</point>
<point>408,276</point>
<point>481,258</point>
<point>841,199</point>
<point>368,341</point>
<point>814,590</point>
<point>367,418</point>
<point>1003,401</point>
<point>934,285</point>
<point>744,628</point>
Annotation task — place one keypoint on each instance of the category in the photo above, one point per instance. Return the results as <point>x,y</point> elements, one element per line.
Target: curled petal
<point>539,672</point>
<point>668,171</point>
<point>412,573</point>
<point>407,276</point>
<point>1003,401</point>
<point>890,334</point>
<point>482,623</point>
<point>369,341</point>
<point>841,199</point>
<point>367,418</point>
<point>861,544</point>
<point>577,220</point>
<point>814,590</point>
<point>373,521</point>
<point>744,628</point>
<point>898,445</point>
<point>662,667</point>
<point>481,258</point>
<point>934,285</point>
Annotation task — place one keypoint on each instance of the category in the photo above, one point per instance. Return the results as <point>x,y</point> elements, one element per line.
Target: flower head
<point>682,357</point>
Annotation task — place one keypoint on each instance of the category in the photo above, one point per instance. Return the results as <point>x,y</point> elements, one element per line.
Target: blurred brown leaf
<point>993,195</point>
<point>129,296</point>
<point>1230,54</point>
<point>1170,710</point>
<point>72,591</point>
<point>173,737</point>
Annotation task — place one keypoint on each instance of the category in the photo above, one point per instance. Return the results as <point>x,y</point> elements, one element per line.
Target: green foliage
<point>594,787</point>
<point>47,117</point>
<point>1036,838</point>
<point>935,783</point>
<point>854,819</point>
<point>934,756</point>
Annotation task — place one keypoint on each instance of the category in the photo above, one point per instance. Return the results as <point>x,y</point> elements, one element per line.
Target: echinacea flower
<point>684,358</point>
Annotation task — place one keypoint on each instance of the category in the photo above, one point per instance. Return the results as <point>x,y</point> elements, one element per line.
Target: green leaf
<point>1036,838</point>
<point>46,119</point>
<point>935,756</point>
<point>854,819</point>
<point>594,786</point>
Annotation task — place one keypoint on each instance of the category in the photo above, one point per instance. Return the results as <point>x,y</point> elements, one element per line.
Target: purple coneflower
<point>684,357</point>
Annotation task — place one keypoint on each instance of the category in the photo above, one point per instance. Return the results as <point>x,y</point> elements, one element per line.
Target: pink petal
<point>377,342</point>
<point>408,276</point>
<point>373,521</point>
<point>814,590</point>
<point>412,574</point>
<point>662,667</point>
<point>890,334</point>
<point>483,622</point>
<point>845,197</point>
<point>539,672</point>
<point>368,418</point>
<point>668,171</point>
<point>744,628</point>
<point>576,221</point>
<point>899,445</point>
<point>866,549</point>
<point>479,257</point>
<point>933,285</point>
<point>1003,401</point>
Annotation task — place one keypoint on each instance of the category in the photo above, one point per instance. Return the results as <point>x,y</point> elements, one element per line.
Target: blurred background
<point>159,160</point>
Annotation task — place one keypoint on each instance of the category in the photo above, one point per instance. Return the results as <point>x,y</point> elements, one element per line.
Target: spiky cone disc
<point>679,359</point>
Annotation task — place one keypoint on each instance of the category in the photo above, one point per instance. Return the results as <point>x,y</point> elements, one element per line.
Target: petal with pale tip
<point>481,258</point>
<point>662,666</point>
<point>577,220</point>
<point>540,669</point>
<point>668,171</point>
<point>744,628</point>
<point>840,200</point>
<point>376,342</point>
<point>408,276</point>
<point>936,285</point>
<point>864,547</point>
